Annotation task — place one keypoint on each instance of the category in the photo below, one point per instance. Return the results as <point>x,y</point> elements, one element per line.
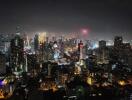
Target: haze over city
<point>104,18</point>
<point>65,50</point>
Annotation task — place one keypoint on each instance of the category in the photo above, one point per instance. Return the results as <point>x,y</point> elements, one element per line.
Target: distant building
<point>102,44</point>
<point>36,42</point>
<point>122,52</point>
<point>5,42</point>
<point>47,39</point>
<point>53,38</point>
<point>91,61</point>
<point>118,42</point>
<point>80,49</point>
<point>102,53</point>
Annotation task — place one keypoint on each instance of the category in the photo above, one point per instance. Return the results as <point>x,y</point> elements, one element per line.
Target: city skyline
<point>65,50</point>
<point>104,19</point>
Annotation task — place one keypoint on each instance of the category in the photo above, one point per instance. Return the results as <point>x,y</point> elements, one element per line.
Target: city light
<point>65,50</point>
<point>60,64</point>
<point>121,82</point>
<point>84,31</point>
<point>42,37</point>
<point>89,81</point>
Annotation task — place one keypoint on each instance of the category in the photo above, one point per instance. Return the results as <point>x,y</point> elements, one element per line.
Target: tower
<point>17,54</point>
<point>56,51</point>
<point>36,42</point>
<point>102,44</point>
<point>80,49</point>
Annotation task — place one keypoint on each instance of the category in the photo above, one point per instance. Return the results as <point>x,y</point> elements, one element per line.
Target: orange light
<point>89,81</point>
<point>121,82</point>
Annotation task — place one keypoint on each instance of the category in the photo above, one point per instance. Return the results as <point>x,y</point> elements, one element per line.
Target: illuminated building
<point>77,70</point>
<point>48,84</point>
<point>4,42</point>
<point>27,46</point>
<point>102,53</point>
<point>42,37</point>
<point>17,54</point>
<point>80,49</point>
<point>122,51</point>
<point>42,46</point>
<point>90,80</point>
<point>56,51</point>
<point>91,62</point>
<point>41,52</point>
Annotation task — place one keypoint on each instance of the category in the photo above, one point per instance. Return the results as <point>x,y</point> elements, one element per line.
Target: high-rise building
<point>118,41</point>
<point>36,42</point>
<point>102,44</point>
<point>4,43</point>
<point>56,51</point>
<point>17,54</point>
<point>42,37</point>
<point>102,53</point>
<point>80,49</point>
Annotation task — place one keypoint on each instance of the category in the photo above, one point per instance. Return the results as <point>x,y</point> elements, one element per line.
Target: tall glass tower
<point>17,54</point>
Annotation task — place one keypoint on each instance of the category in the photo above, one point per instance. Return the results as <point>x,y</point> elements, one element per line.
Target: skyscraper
<point>118,41</point>
<point>80,50</point>
<point>102,53</point>
<point>17,54</point>
<point>102,44</point>
<point>36,42</point>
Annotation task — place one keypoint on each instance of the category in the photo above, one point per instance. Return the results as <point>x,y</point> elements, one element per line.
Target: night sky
<point>104,18</point>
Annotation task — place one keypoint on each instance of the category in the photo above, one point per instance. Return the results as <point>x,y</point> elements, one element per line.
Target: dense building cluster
<point>78,68</point>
